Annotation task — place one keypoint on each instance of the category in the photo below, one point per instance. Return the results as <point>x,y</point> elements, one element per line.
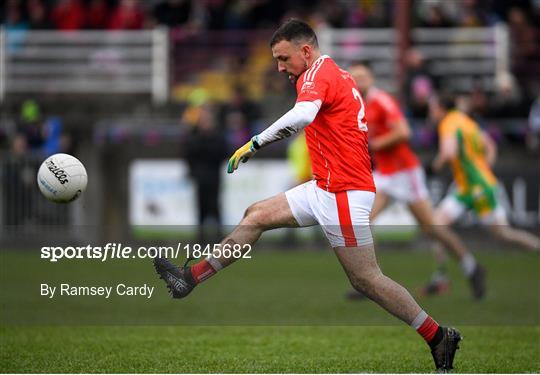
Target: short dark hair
<point>294,30</point>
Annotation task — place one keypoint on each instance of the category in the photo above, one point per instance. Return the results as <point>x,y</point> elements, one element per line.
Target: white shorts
<point>453,208</point>
<point>343,216</point>
<point>406,186</point>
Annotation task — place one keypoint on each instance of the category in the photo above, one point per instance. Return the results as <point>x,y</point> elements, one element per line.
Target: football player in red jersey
<point>399,175</point>
<point>330,109</point>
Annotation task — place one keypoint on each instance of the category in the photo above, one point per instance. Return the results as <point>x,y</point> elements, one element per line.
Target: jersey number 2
<point>361,123</point>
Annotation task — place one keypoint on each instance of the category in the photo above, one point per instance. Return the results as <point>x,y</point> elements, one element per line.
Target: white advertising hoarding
<point>161,192</point>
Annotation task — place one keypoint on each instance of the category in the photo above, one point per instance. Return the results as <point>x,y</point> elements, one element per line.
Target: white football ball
<point>62,178</point>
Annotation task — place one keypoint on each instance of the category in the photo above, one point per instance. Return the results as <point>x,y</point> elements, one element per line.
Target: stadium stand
<point>157,62</point>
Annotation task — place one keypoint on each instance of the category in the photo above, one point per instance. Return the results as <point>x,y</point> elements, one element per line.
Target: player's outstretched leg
<point>360,265</point>
<point>269,214</point>
<point>382,200</point>
<point>438,228</point>
<point>439,283</point>
<point>503,231</point>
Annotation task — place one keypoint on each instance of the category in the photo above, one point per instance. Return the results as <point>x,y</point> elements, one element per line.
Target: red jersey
<point>337,139</point>
<point>381,112</point>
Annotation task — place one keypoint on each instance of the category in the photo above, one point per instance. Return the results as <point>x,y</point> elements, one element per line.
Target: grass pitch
<point>259,349</point>
<point>279,312</point>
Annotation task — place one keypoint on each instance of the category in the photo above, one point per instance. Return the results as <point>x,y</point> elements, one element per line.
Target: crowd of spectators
<point>74,14</point>
<point>470,13</point>
<point>240,115</point>
<point>250,14</point>
<point>35,133</point>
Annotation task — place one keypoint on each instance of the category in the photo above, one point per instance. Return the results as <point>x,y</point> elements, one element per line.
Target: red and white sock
<point>428,328</point>
<point>205,269</point>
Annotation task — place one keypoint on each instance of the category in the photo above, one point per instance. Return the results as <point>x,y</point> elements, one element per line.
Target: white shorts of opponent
<point>407,186</point>
<point>452,208</point>
<point>343,216</point>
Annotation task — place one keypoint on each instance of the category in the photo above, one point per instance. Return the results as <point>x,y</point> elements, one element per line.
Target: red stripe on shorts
<point>344,216</point>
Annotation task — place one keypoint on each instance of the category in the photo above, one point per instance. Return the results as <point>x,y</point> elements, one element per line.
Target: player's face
<point>292,59</point>
<point>362,76</point>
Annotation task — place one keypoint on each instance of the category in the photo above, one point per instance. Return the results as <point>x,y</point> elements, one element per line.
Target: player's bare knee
<point>441,218</point>
<point>365,282</point>
<point>254,215</point>
<point>359,284</point>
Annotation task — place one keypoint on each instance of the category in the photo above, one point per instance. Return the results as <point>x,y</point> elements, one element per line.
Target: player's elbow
<point>306,120</point>
<point>401,131</point>
<point>306,113</point>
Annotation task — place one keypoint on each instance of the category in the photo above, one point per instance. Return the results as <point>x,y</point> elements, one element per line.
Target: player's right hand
<point>242,155</point>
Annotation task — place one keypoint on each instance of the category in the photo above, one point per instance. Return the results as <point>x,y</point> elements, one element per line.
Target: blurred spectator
<point>242,109</point>
<point>205,150</point>
<point>3,139</point>
<point>507,100</point>
<point>192,113</point>
<point>478,101</point>
<point>433,15</point>
<point>237,15</point>
<point>97,14</point>
<point>522,33</point>
<point>37,15</point>
<point>335,13</point>
<point>471,14</point>
<point>31,124</point>
<point>535,12</point>
<point>365,13</point>
<point>18,179</point>
<point>210,14</point>
<point>19,146</point>
<point>68,15</point>
<point>533,136</point>
<point>14,21</point>
<point>236,129</point>
<point>419,85</point>
<point>462,13</point>
<point>279,97</point>
<point>52,134</point>
<point>525,50</point>
<point>265,13</point>
<point>127,16</point>
<point>173,13</point>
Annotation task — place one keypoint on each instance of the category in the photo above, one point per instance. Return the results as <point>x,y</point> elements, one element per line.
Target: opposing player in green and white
<point>470,153</point>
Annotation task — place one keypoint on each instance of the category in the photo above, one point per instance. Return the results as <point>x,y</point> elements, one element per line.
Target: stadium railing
<point>459,57</point>
<point>377,46</point>
<point>85,62</point>
<point>126,62</point>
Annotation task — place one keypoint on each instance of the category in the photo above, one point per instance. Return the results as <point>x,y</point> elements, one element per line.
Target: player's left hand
<point>242,155</point>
